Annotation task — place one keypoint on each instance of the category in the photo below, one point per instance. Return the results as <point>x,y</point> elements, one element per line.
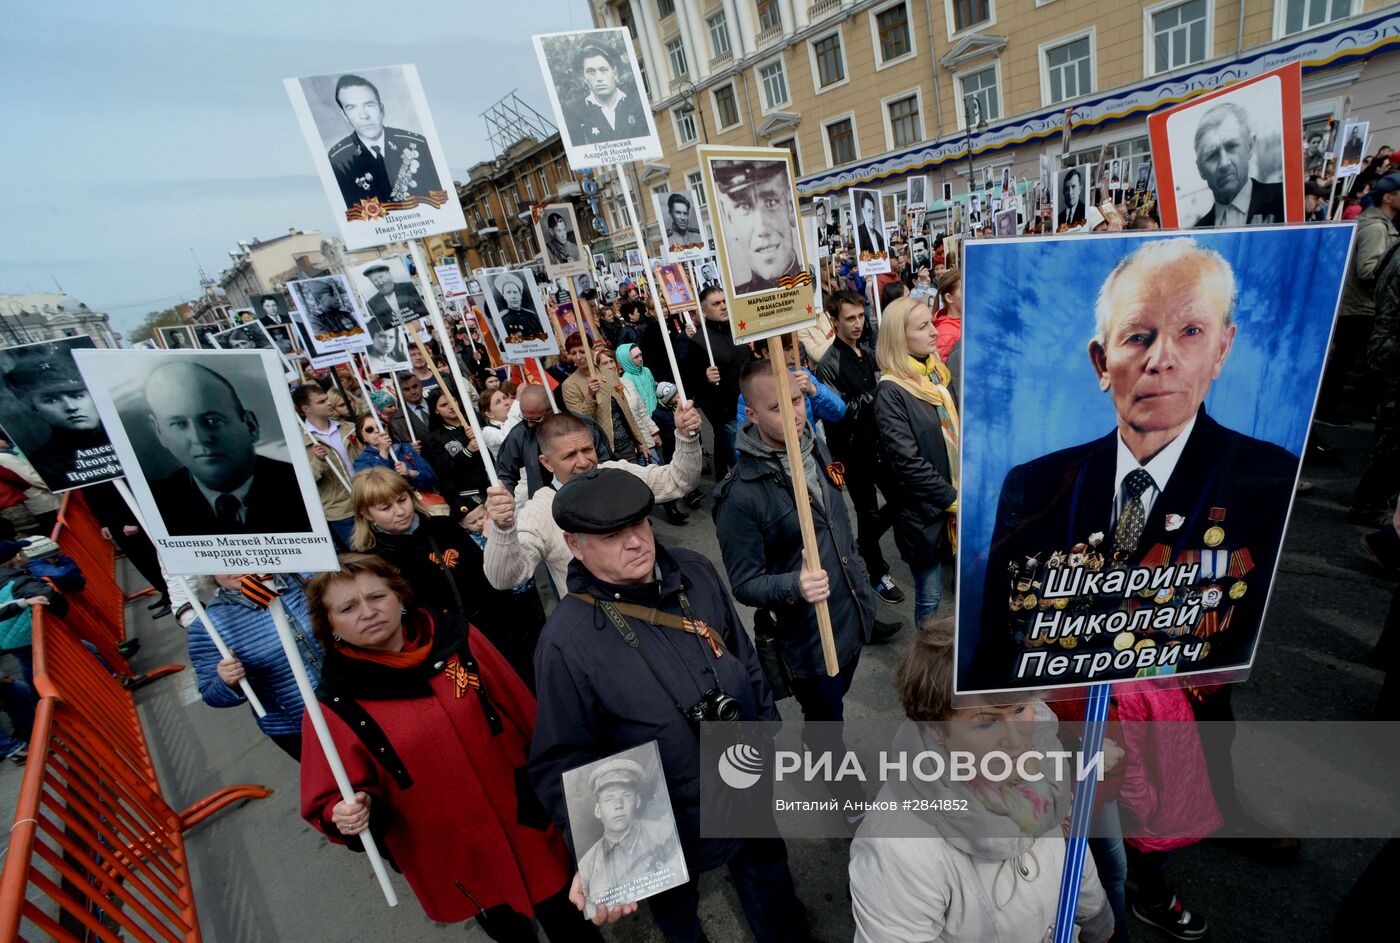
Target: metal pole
<point>655,300</point>
<point>1081,814</point>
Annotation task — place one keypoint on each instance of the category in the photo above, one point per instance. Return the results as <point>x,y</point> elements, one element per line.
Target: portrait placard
<point>377,153</point>
<point>754,212</point>
<point>599,99</point>
<point>623,829</point>
<point>50,415</point>
<point>634,262</point>
<point>389,294</point>
<point>449,279</point>
<point>1353,147</point>
<point>872,252</point>
<point>328,314</point>
<point>1004,222</point>
<point>916,197</point>
<point>674,286</point>
<point>557,229</point>
<point>271,309</point>
<point>176,338</point>
<point>682,229</point>
<point>204,334</point>
<point>1119,521</point>
<point>285,337</point>
<point>1232,157</point>
<point>388,350</point>
<point>518,316</point>
<point>1071,196</point>
<point>816,249</point>
<point>213,453</point>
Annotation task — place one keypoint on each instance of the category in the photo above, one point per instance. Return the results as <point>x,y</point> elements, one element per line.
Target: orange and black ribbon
<point>257,591</point>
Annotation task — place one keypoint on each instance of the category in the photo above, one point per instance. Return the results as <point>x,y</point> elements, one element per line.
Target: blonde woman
<point>918,424</point>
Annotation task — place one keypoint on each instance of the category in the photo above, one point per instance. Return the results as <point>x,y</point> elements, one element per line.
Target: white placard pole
<point>125,491</point>
<point>701,312</point>
<point>323,734</point>
<point>544,379</point>
<point>655,296</point>
<point>464,404</point>
<point>364,390</point>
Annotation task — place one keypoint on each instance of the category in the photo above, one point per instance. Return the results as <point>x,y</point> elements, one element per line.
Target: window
<point>768,15</point>
<point>696,181</point>
<point>1068,69</point>
<point>1295,16</point>
<point>774,80</point>
<point>675,51</point>
<point>831,65</point>
<point>665,8</point>
<point>1177,35</point>
<point>791,145</point>
<point>684,117</point>
<point>841,141</point>
<point>726,107</point>
<point>903,117</point>
<point>966,14</point>
<point>544,182</point>
<point>982,86</point>
<point>892,32</point>
<point>719,34</point>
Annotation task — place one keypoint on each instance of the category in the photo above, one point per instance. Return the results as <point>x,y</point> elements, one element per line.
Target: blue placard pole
<point>1081,815</point>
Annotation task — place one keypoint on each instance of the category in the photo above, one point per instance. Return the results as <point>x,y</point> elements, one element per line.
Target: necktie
<point>226,511</point>
<point>1133,517</point>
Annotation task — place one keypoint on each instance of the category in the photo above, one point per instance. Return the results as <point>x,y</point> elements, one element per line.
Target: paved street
<point>262,875</point>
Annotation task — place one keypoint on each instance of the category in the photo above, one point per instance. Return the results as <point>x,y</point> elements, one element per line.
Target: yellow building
<point>868,92</point>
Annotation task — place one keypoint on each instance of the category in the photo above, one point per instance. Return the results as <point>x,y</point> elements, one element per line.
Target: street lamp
<point>972,114</point>
<point>687,89</point>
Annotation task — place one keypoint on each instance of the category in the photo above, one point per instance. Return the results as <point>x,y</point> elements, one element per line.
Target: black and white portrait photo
<point>518,316</point>
<point>917,195</point>
<point>377,154</point>
<point>271,309</point>
<point>1353,138</point>
<point>1071,195</point>
<point>1224,156</point>
<point>682,228</point>
<point>204,334</point>
<point>328,313</point>
<point>50,416</point>
<point>211,449</point>
<point>176,338</point>
<point>1004,221</point>
<point>390,297</point>
<point>948,192</point>
<point>388,349</point>
<point>871,252</point>
<point>251,336</point>
<point>1144,175</point>
<point>599,100</point>
<point>708,271</point>
<point>557,229</point>
<point>1317,142</point>
<point>1006,180</point>
<point>634,261</point>
<point>623,828</point>
<point>285,337</point>
<point>974,211</point>
<point>757,219</point>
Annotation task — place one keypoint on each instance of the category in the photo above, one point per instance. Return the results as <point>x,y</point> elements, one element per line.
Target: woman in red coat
<point>433,727</point>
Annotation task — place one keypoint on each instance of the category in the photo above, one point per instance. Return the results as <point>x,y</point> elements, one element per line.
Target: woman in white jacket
<point>985,866</point>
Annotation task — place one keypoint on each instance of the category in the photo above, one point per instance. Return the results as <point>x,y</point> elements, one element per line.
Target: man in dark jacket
<point>614,674</point>
<point>850,370</point>
<point>520,451</point>
<point>715,389</point>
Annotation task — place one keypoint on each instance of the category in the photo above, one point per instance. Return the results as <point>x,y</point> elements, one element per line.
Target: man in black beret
<point>617,668</point>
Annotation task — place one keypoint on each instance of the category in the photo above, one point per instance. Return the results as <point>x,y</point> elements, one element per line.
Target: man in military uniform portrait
<point>1169,485</point>
<point>393,302</point>
<point>606,112</point>
<point>631,847</point>
<point>326,315</point>
<point>375,161</point>
<point>519,320</point>
<point>760,221</point>
<point>47,384</point>
<point>559,242</point>
<point>681,227</point>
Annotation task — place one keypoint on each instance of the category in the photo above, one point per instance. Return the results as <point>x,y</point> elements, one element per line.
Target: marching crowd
<point>481,639</point>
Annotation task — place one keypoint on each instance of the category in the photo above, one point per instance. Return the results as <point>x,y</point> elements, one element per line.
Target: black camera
<point>714,704</point>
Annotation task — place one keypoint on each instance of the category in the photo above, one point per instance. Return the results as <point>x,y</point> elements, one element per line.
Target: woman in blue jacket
<point>251,637</point>
<point>383,452</point>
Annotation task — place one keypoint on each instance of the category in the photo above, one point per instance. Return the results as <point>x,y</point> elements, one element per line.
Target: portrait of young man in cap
<point>759,222</point>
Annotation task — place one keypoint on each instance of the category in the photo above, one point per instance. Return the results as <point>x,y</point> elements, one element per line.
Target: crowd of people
<point>481,639</point>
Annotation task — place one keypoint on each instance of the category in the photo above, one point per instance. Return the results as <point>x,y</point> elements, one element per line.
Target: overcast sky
<point>140,131</point>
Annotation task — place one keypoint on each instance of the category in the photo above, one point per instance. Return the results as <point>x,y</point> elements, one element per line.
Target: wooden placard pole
<point>559,336</point>
<point>646,267</point>
<point>811,556</point>
<point>586,312</point>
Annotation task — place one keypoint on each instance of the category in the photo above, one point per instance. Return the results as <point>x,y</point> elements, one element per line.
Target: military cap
<point>732,176</point>
<point>47,371</point>
<point>602,501</point>
<point>612,773</point>
<point>375,268</point>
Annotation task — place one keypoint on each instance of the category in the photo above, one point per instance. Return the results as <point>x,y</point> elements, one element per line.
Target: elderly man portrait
<point>1167,485</point>
<point>760,221</point>
<point>392,302</point>
<point>1225,143</point>
<point>223,486</point>
<point>375,161</point>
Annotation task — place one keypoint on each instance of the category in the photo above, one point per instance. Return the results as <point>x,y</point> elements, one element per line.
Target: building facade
<point>869,92</point>
<point>42,316</point>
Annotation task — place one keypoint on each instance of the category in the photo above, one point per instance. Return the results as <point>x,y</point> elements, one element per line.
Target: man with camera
<point>646,646</point>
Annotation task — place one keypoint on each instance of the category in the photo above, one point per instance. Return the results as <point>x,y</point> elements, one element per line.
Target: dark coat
<point>520,452</point>
<point>599,697</point>
<point>361,175</point>
<point>761,541</point>
<point>1265,206</point>
<point>720,402</point>
<point>587,125</point>
<point>459,470</point>
<point>410,306</point>
<point>1058,500</point>
<point>450,801</point>
<point>405,426</point>
<point>871,240</point>
<point>854,440</point>
<point>918,480</point>
<point>273,505</point>
<point>443,565</point>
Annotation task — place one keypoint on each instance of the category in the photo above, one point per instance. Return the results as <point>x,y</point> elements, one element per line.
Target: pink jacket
<point>1166,800</point>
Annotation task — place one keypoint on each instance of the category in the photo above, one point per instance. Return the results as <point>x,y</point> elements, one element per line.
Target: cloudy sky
<point>140,131</point>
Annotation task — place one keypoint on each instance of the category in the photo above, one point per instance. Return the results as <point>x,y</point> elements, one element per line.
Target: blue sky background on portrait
<point>1029,388</point>
<point>140,131</point>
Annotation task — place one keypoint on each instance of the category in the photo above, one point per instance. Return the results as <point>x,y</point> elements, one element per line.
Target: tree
<point>167,318</point>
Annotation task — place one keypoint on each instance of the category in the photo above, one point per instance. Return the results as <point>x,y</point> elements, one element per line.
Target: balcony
<point>770,35</point>
<point>722,58</point>
<point>488,227</point>
<point>821,8</point>
<point>568,188</point>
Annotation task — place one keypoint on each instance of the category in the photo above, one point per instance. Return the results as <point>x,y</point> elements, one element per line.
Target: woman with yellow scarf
<point>918,423</point>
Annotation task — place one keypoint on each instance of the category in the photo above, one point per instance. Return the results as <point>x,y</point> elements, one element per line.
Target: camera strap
<point>654,616</point>
<point>630,637</point>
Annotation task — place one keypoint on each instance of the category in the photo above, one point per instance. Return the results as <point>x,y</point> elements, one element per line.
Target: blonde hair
<point>373,487</point>
<point>891,346</point>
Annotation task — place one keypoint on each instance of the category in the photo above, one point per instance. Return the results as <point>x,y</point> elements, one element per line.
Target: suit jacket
<point>587,124</point>
<point>1223,479</point>
<point>273,506</point>
<point>405,426</point>
<point>1072,215</point>
<point>410,306</point>
<point>871,241</point>
<point>361,175</point>
<point>1265,206</point>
